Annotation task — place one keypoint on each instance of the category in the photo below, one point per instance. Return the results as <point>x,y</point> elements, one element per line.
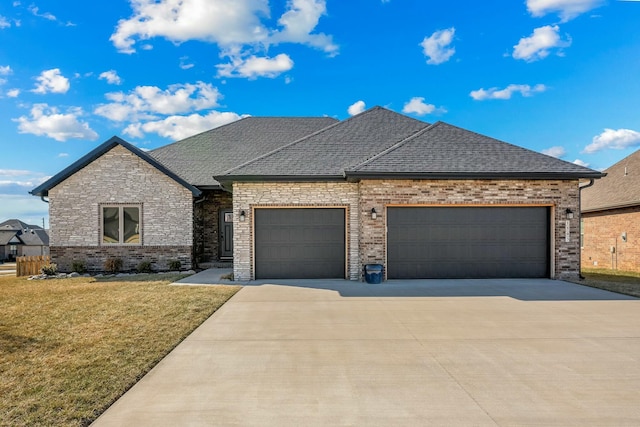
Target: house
<point>611,218</point>
<point>20,239</point>
<point>318,198</point>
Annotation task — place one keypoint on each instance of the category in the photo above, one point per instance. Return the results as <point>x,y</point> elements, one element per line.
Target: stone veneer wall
<point>120,177</point>
<point>603,230</point>
<point>560,194</point>
<point>247,196</point>
<point>207,224</point>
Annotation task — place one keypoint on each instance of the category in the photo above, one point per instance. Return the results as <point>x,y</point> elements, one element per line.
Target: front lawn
<point>70,347</point>
<point>622,282</point>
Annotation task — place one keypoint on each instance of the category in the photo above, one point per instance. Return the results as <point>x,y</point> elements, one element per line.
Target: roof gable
<point>327,153</point>
<point>198,158</point>
<point>446,151</point>
<point>620,188</point>
<point>43,189</point>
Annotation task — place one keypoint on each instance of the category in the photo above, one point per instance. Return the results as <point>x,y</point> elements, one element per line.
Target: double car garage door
<point>422,242</point>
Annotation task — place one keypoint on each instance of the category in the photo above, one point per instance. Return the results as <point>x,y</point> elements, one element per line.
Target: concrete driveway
<point>405,353</point>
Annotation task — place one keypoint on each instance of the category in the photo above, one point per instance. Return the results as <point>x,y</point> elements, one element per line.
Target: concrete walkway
<point>405,353</point>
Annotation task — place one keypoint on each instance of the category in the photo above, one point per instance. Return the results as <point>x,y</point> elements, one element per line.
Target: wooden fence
<point>31,265</point>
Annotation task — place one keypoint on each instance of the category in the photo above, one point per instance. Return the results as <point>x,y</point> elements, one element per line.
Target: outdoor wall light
<point>569,213</point>
<point>624,236</point>
<point>243,216</point>
<point>374,214</point>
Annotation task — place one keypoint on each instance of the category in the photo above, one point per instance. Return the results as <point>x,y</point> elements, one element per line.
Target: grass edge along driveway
<point>70,347</point>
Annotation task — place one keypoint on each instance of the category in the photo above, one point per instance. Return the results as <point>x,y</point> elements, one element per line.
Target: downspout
<point>580,188</point>
<point>42,198</point>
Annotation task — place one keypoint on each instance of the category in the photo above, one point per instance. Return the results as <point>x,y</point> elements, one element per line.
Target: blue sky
<point>556,76</point>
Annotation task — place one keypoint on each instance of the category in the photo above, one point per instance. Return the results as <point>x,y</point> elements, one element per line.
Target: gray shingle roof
<point>620,188</point>
<point>31,235</point>
<point>327,153</point>
<point>196,159</point>
<point>446,151</point>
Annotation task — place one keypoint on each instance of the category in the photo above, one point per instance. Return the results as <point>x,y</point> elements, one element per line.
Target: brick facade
<point>366,241</point>
<point>604,230</point>
<point>249,196</point>
<point>559,195</point>
<point>120,177</point>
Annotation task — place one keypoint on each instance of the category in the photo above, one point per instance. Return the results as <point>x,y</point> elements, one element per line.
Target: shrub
<point>50,269</point>
<point>113,265</point>
<point>175,265</point>
<point>144,267</point>
<point>79,267</point>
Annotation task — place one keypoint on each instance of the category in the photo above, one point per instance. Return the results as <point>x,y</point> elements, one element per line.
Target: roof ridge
<point>396,145</point>
<point>318,132</point>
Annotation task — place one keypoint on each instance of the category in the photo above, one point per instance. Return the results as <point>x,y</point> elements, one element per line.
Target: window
<point>121,225</point>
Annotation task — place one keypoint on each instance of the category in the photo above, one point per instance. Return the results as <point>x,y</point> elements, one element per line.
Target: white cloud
<point>506,93</point>
<point>556,151</point>
<point>146,102</point>
<point>5,70</point>
<point>51,81</point>
<point>217,21</point>
<point>13,93</point>
<point>184,64</point>
<point>436,46</point>
<point>46,15</point>
<point>539,44</point>
<point>616,139</point>
<point>235,26</point>
<point>180,127</point>
<point>48,121</point>
<point>253,67</point>
<point>566,9</point>
<point>111,77</point>
<point>298,23</point>
<point>580,163</point>
<point>63,155</point>
<point>4,22</point>
<point>417,106</point>
<point>356,108</point>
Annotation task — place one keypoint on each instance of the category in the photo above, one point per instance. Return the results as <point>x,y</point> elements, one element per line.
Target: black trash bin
<point>373,273</point>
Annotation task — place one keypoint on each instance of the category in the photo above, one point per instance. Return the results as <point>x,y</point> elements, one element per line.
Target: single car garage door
<point>300,243</point>
<point>467,242</point>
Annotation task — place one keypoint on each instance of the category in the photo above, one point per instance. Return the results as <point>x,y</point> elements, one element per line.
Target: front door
<point>225,249</point>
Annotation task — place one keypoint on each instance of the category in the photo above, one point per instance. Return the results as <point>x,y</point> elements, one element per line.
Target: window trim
<point>120,207</point>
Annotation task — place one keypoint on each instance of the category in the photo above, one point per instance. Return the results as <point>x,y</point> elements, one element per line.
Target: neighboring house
<point>20,239</point>
<point>611,218</point>
<point>319,198</point>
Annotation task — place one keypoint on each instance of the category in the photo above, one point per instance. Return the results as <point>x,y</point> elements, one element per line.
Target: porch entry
<point>225,236</point>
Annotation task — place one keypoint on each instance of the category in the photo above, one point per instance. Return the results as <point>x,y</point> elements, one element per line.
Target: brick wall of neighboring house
<point>603,230</point>
<point>247,196</point>
<point>207,224</point>
<point>120,177</point>
<point>560,194</point>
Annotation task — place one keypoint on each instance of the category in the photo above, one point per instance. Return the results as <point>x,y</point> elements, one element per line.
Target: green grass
<point>622,282</point>
<point>70,347</point>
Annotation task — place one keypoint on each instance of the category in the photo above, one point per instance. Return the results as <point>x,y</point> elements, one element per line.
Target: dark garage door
<point>300,243</point>
<point>467,242</point>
